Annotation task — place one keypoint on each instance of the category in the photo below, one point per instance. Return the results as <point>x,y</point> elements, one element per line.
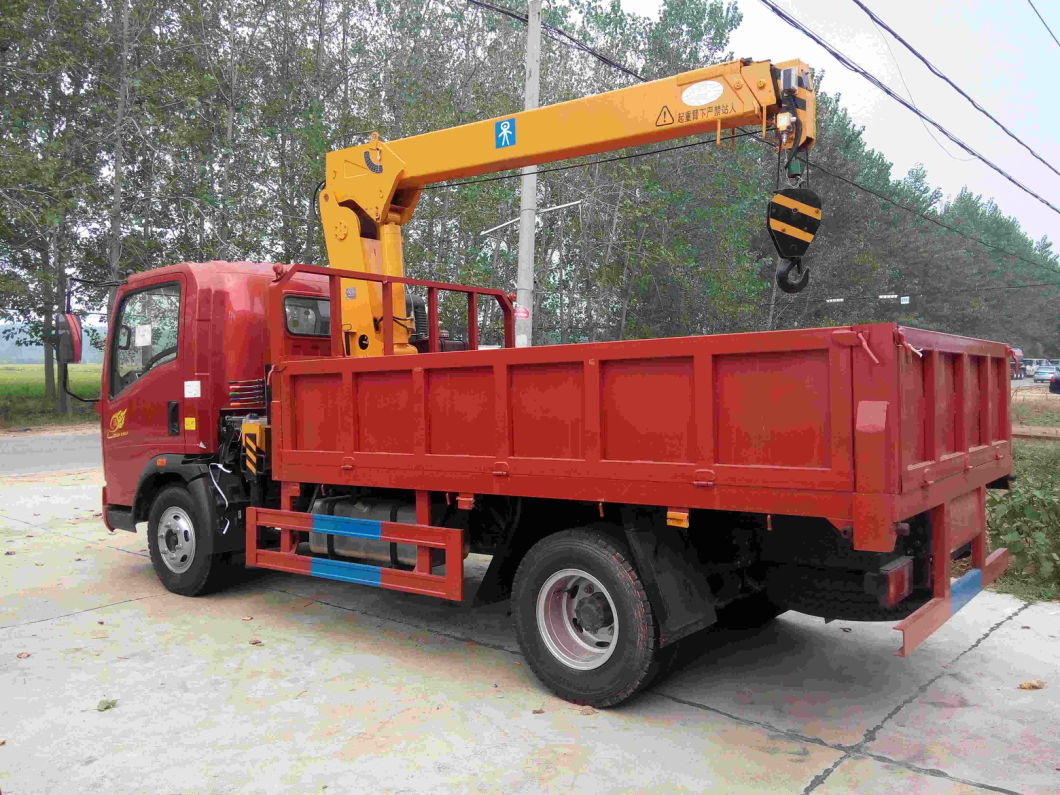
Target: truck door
<point>142,411</point>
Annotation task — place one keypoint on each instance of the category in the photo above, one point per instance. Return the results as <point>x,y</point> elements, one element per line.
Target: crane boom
<point>372,189</point>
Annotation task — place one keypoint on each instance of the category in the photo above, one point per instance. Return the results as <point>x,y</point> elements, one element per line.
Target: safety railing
<point>434,342</point>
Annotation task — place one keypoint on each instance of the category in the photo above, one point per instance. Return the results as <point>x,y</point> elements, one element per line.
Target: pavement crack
<point>79,612</point>
<point>871,734</point>
<point>806,738</point>
<point>847,751</point>
<point>820,778</point>
<point>858,749</point>
<point>934,772</point>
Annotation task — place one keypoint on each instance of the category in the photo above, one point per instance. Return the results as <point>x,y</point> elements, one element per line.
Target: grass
<point>1035,405</point>
<point>22,400</point>
<point>1026,519</point>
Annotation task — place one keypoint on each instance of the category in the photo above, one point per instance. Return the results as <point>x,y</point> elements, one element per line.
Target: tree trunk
<point>49,357</point>
<point>62,400</point>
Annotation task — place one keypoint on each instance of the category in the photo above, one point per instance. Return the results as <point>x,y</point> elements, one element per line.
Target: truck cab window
<point>308,316</point>
<point>145,336</point>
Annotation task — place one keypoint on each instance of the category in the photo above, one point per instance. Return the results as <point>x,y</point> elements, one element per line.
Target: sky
<point>997,51</point>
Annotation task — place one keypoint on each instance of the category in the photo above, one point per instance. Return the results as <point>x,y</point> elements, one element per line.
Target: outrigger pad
<point>793,217</point>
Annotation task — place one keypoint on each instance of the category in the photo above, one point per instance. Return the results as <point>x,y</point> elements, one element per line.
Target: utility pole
<point>524,280</point>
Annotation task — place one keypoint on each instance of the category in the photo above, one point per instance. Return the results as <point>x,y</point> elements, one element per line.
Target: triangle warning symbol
<point>665,117</point>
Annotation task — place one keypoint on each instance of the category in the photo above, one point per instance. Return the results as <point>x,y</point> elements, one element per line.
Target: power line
<point>1044,23</point>
<point>562,36</point>
<point>935,71</point>
<point>476,181</point>
<point>925,216</point>
<point>901,100</point>
<point>889,200</point>
<point>909,91</point>
<point>754,134</point>
<point>936,294</point>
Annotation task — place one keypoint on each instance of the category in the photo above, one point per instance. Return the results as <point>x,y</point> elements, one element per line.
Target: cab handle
<point>174,418</point>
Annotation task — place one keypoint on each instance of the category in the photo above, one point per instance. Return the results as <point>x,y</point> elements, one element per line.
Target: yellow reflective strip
<point>791,204</point>
<point>789,230</point>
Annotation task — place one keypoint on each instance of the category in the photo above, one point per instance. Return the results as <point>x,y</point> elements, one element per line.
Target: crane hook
<point>793,217</point>
<point>793,276</point>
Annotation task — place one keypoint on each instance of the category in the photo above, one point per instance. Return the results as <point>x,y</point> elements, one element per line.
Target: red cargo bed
<point>865,426</point>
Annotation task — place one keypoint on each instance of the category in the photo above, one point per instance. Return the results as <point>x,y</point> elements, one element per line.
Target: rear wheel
<point>583,618</point>
<point>179,540</point>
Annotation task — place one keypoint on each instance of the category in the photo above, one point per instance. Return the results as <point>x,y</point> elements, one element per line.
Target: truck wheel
<point>180,545</point>
<point>749,613</point>
<point>583,619</point>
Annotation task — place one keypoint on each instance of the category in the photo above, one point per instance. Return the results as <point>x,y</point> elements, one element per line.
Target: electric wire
<point>936,294</point>
<point>562,36</point>
<point>938,73</point>
<point>849,64</point>
<point>1044,23</point>
<point>925,216</point>
<point>815,164</point>
<point>477,180</point>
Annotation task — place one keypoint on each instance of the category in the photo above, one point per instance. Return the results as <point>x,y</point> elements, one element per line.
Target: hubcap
<point>176,539</point>
<point>577,619</point>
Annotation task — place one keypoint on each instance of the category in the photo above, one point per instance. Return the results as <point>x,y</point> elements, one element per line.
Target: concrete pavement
<point>353,689</point>
<point>49,452</point>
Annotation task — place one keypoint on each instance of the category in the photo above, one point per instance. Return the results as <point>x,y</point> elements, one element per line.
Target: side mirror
<point>124,338</point>
<point>68,349</point>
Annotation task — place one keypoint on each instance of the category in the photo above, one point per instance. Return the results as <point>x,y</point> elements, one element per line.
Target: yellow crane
<point>371,190</point>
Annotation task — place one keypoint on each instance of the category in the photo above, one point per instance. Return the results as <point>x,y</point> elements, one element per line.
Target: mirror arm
<point>66,389</point>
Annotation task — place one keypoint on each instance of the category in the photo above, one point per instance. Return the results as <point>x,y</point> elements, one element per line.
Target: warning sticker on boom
<point>665,117</point>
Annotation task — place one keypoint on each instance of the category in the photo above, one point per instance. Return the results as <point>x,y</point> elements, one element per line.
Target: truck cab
<point>188,348</point>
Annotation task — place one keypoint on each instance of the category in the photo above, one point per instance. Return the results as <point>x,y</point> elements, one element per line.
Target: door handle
<point>174,418</point>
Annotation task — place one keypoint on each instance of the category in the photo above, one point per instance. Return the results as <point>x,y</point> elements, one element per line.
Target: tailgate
<point>955,438</point>
<point>954,403</point>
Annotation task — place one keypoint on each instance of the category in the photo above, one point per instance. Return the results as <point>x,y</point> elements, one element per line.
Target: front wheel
<point>583,618</point>
<point>181,547</point>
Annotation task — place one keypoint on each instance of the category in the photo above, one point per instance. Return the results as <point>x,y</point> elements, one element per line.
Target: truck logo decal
<point>117,424</point>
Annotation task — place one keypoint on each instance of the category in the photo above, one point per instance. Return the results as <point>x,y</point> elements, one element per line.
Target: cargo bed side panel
<point>730,421</point>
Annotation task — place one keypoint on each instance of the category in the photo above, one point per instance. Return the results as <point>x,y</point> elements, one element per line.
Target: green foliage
<point>23,401</point>
<point>1026,519</point>
<point>135,135</point>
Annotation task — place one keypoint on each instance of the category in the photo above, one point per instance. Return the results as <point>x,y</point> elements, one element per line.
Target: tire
<point>182,554</point>
<point>584,620</point>
<point>749,613</point>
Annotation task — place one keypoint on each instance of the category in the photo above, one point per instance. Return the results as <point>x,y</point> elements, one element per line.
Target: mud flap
<point>667,563</point>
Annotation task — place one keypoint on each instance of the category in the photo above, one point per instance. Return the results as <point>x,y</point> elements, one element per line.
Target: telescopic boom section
<point>372,189</point>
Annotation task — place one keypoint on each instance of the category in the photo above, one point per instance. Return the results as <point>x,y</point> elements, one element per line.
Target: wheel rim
<point>577,619</point>
<point>176,539</point>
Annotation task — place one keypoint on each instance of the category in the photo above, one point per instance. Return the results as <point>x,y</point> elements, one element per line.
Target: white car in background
<point>1044,373</point>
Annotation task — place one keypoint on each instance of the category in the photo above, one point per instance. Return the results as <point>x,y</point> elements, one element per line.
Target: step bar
<point>295,527</point>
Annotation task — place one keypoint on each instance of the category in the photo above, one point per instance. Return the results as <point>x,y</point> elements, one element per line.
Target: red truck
<point>317,421</point>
